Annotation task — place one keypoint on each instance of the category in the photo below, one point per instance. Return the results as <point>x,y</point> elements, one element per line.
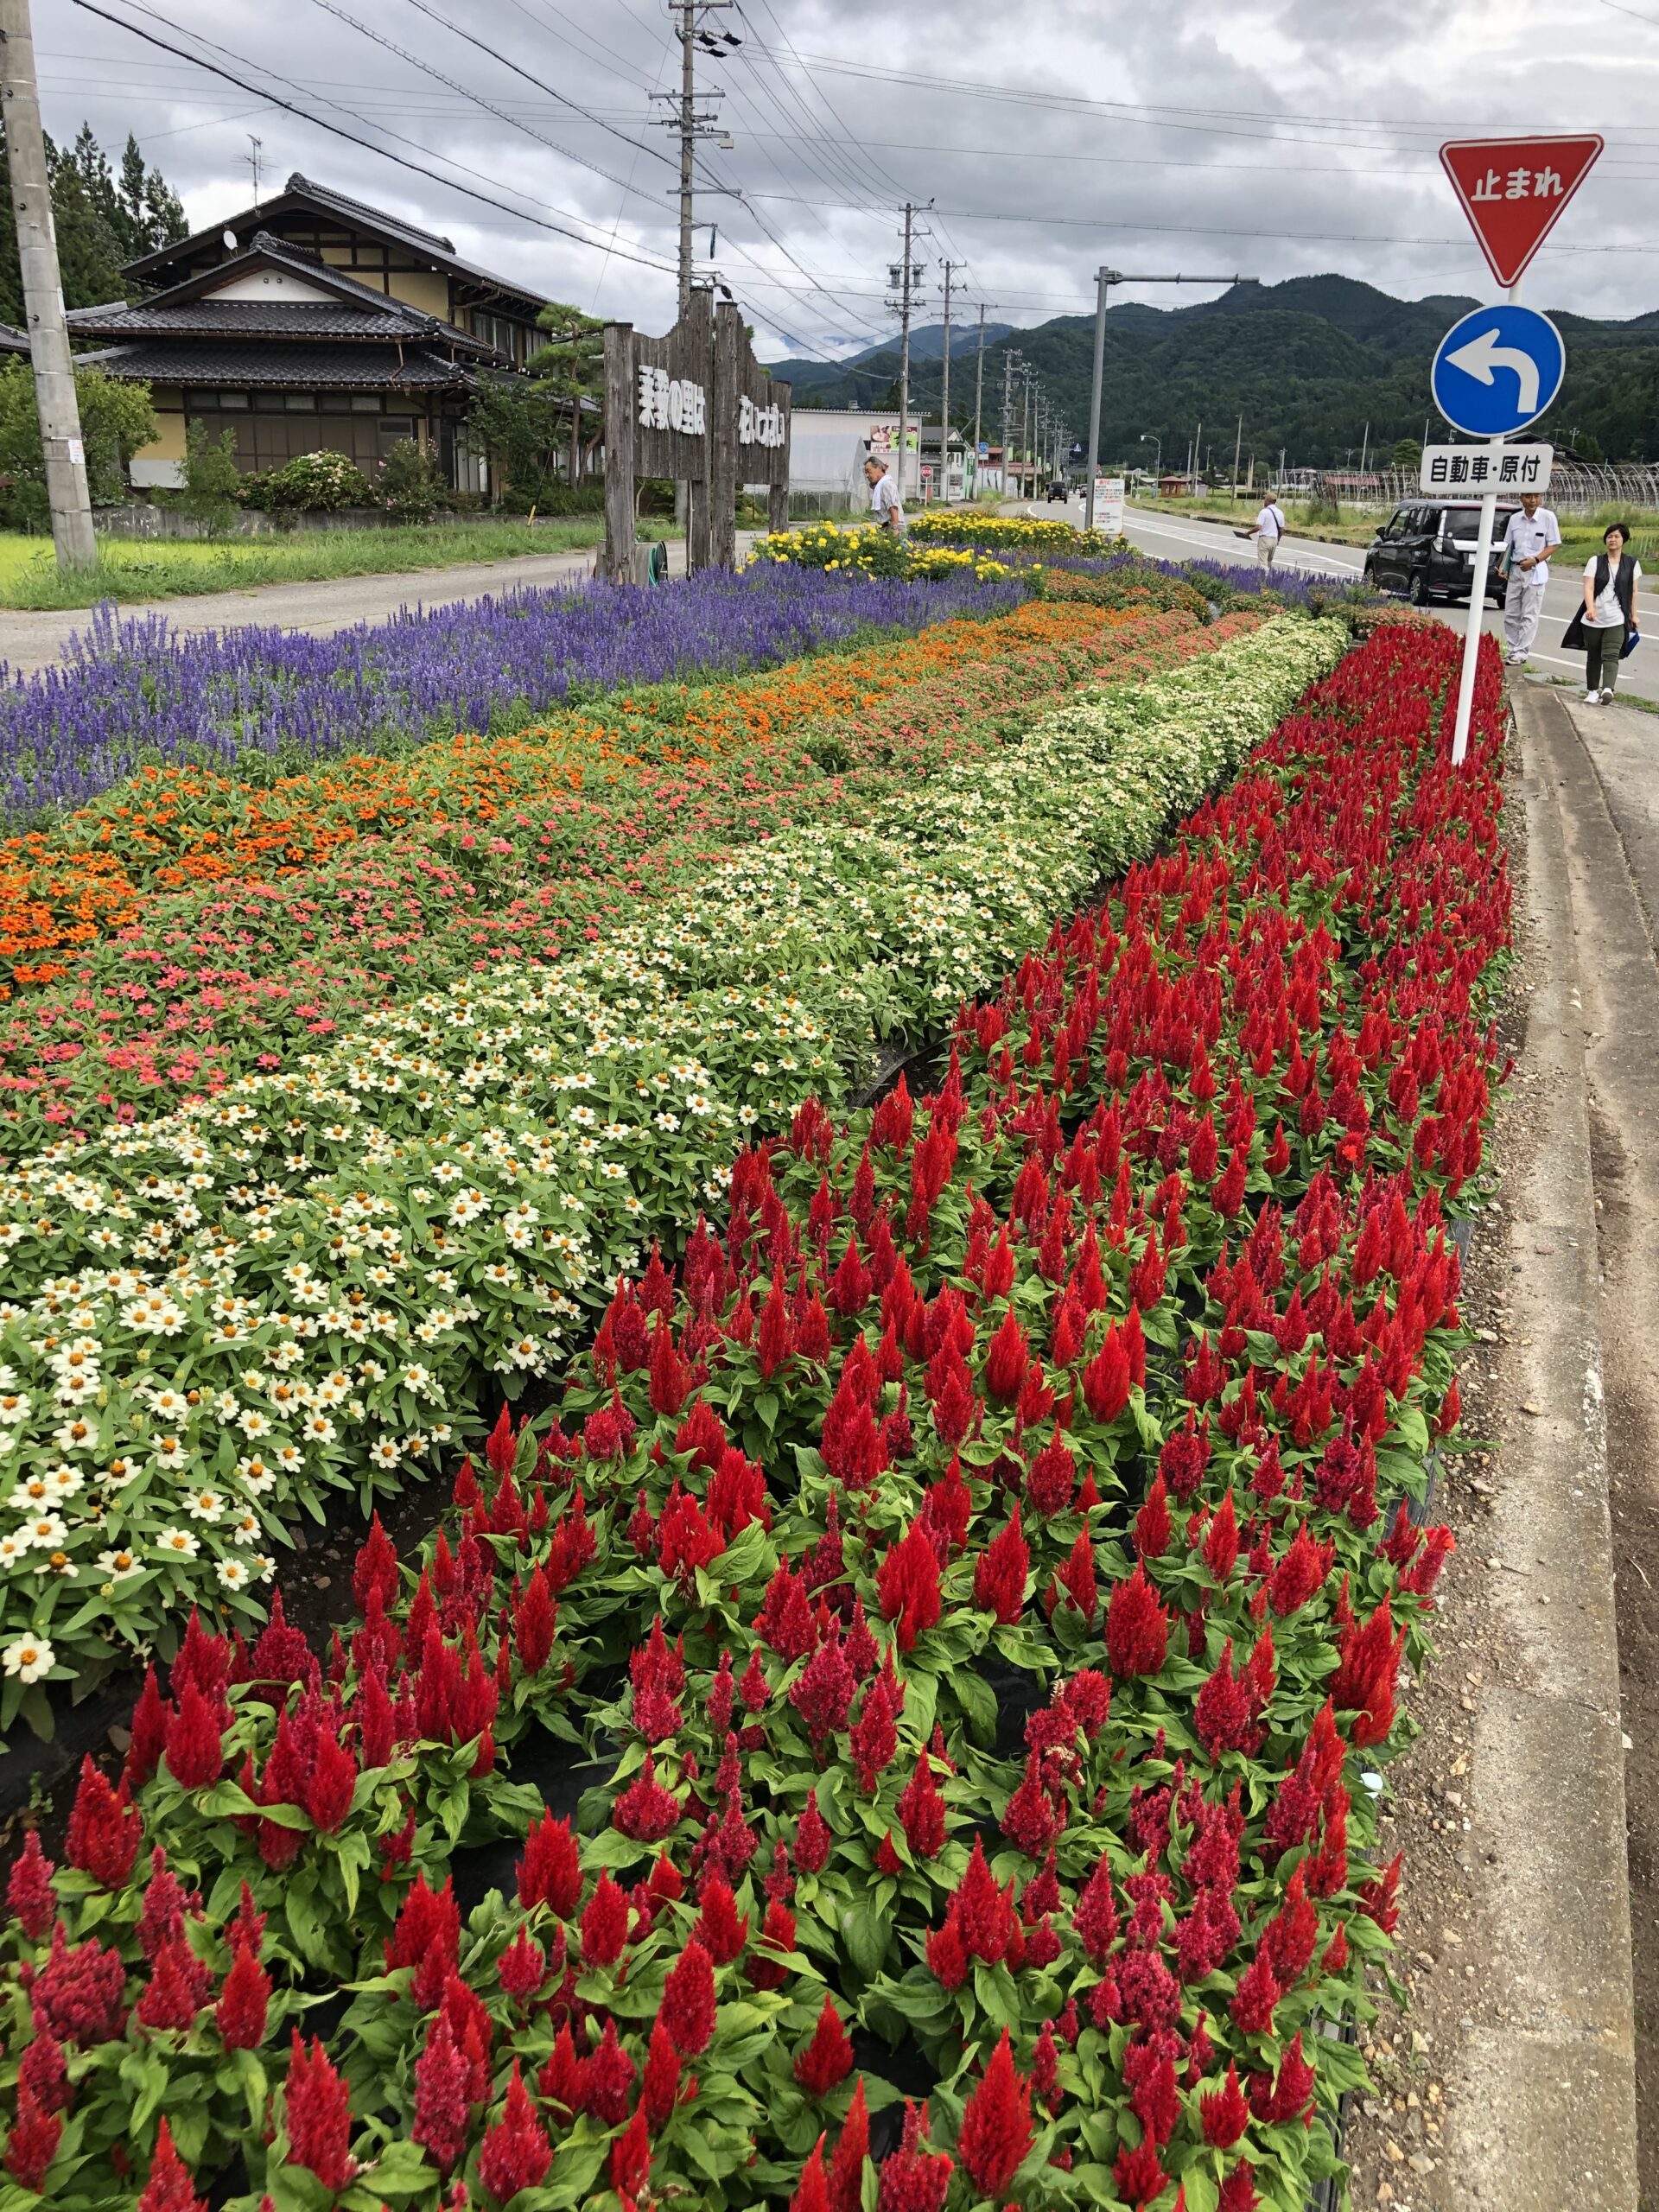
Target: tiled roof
<point>281,367</point>
<point>300,193</point>
<point>193,306</point>
<point>13,341</point>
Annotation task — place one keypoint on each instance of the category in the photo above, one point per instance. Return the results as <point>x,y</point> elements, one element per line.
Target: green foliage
<point>1407,453</point>
<point>1307,363</point>
<point>411,484</point>
<point>213,482</point>
<point>101,219</point>
<point>115,421</point>
<point>311,482</point>
<point>523,429</point>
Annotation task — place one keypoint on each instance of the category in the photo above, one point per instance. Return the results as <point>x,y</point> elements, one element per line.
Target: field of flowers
<point>296,1285</point>
<point>908,1703</point>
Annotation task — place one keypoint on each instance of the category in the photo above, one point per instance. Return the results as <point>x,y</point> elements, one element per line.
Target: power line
<point>338,131</point>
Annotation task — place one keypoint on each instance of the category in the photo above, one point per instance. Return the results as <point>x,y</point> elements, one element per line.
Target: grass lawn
<point>138,568</point>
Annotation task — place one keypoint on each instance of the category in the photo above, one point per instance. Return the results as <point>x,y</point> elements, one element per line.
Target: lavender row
<point>136,691</point>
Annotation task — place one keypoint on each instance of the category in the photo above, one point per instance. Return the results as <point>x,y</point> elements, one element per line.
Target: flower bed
<point>969,1592</point>
<point>170,829</point>
<point>296,1286</point>
<point>136,691</point>
<point>1013,533</point>
<point>205,985</point>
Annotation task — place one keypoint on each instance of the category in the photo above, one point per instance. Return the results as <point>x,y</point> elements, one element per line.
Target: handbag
<point>1632,640</point>
<point>1573,636</point>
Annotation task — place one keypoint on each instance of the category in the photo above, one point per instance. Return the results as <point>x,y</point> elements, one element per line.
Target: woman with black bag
<point>1605,625</point>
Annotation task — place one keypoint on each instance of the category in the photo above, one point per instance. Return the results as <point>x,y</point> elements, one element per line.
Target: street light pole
<point>1104,279</point>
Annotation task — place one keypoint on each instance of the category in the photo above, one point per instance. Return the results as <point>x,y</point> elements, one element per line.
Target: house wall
<point>272,285</point>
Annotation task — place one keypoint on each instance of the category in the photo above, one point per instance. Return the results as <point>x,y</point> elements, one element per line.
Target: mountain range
<point>1308,364</point>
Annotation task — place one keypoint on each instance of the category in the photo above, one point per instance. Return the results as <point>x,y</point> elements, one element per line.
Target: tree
<point>522,428</point>
<point>1407,453</point>
<point>116,419</point>
<point>410,484</point>
<point>571,366</point>
<point>213,482</point>
<point>101,223</point>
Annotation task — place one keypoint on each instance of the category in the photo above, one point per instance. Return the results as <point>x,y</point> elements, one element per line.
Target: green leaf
<point>978,1703</point>
<point>866,1936</point>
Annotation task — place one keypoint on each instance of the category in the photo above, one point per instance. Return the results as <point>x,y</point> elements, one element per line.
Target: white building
<point>828,446</point>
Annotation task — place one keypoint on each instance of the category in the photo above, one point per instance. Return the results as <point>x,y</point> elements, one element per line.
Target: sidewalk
<point>31,641</point>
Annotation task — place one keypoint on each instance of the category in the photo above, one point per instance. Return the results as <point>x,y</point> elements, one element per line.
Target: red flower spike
<point>846,2189</point>
<point>105,1829</point>
<point>33,2142</point>
<point>827,2060</point>
<point>1153,1529</point>
<point>812,2194</point>
<point>170,2188</point>
<point>996,2132</point>
<point>30,1893</point>
<point>921,1810</point>
<point>611,2076</point>
<point>720,1930</point>
<point>913,2179</point>
<point>515,2153</point>
<point>444,2113</point>
<point>317,2113</point>
<point>551,1870</point>
<point>1225,2115</point>
<point>1137,1627</point>
<point>604,1924</point>
<point>813,1838</point>
<point>1238,2191</point>
<point>243,2001</point>
<point>688,2006</point>
<point>193,1744</point>
<point>1000,1572</point>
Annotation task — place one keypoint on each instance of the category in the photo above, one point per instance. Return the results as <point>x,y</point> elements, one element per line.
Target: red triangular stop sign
<point>1512,190</point>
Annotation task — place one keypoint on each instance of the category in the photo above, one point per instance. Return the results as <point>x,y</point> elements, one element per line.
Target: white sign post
<point>1474,470</point>
<point>1108,506</point>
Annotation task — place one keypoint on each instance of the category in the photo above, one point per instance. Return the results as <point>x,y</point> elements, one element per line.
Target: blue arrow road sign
<point>1497,369</point>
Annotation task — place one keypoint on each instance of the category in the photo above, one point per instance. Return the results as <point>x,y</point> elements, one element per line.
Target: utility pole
<point>1238,445</point>
<point>1104,279</point>
<point>1009,358</point>
<point>48,333</point>
<point>684,118</point>
<point>905,280</point>
<point>949,267</point>
<point>979,389</point>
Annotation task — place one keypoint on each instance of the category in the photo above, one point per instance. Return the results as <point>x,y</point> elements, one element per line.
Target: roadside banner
<point>1109,504</point>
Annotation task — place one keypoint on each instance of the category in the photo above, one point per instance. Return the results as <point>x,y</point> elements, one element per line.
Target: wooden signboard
<point>697,408</point>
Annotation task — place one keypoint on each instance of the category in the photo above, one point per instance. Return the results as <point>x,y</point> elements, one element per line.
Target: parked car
<point>1426,551</point>
<point>1056,491</point>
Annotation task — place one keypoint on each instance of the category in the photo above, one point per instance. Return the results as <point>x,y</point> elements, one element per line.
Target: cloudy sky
<point>1275,137</point>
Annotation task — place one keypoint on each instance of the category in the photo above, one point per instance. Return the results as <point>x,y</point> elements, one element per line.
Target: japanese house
<point>312,323</point>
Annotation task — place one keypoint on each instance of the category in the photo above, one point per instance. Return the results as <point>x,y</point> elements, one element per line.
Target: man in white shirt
<point>1267,530</point>
<point>887,509</point>
<point>1531,537</point>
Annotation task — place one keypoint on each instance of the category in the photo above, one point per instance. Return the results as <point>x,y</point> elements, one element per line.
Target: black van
<point>1426,551</point>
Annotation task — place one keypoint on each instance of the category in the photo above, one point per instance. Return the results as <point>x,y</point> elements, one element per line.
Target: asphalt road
<point>1181,538</point>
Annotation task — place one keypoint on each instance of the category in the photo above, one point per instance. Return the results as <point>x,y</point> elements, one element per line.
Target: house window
<point>299,403</point>
<point>232,398</point>
<point>495,330</point>
<point>365,402</point>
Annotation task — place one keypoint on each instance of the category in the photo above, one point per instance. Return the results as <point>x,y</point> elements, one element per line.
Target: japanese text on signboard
<point>1486,468</point>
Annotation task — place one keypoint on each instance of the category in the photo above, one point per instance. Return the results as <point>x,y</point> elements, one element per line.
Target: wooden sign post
<point>695,407</point>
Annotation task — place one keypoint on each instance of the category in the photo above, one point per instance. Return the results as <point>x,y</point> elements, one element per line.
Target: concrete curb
<point>1545,2116</point>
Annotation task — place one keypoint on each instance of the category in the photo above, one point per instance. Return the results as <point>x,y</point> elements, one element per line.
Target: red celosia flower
<point>646,1810</point>
<point>1364,1682</point>
<point>317,2113</point>
<point>442,2106</point>
<point>605,1924</point>
<point>908,1582</point>
<point>1257,1994</point>
<point>985,1912</point>
<point>827,2058</point>
<point>534,1620</point>
<point>822,1693</point>
<point>29,1892</point>
<point>812,2194</point>
<point>33,2142</point>
<point>921,1809</point>
<point>813,1838</point>
<point>551,1870</point>
<point>1138,2176</point>
<point>332,1782</point>
<point>522,1967</point>
<point>1153,1531</point>
<point>1106,1378</point>
<point>874,1736</point>
<point>996,2131</point>
<point>688,2007</point>
<point>1000,1570</point>
<point>515,2153</point>
<point>1238,2191</point>
<point>720,1930</point>
<point>1137,1627</point>
<point>1224,2116</point>
<point>80,1995</point>
<point>563,2080</point>
<point>913,2179</point>
<point>44,2070</point>
<point>611,2075</point>
<point>777,1935</point>
<point>947,1954</point>
<point>1378,1899</point>
<point>243,2001</point>
<point>1007,1361</point>
<point>847,2168</point>
<point>1095,1915</point>
<point>193,1742</point>
<point>426,1938</point>
<point>169,2187</point>
<point>170,2000</point>
<point>105,1829</point>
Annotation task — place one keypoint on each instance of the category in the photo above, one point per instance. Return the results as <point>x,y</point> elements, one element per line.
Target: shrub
<point>116,419</point>
<point>213,482</point>
<point>311,482</point>
<point>411,484</point>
